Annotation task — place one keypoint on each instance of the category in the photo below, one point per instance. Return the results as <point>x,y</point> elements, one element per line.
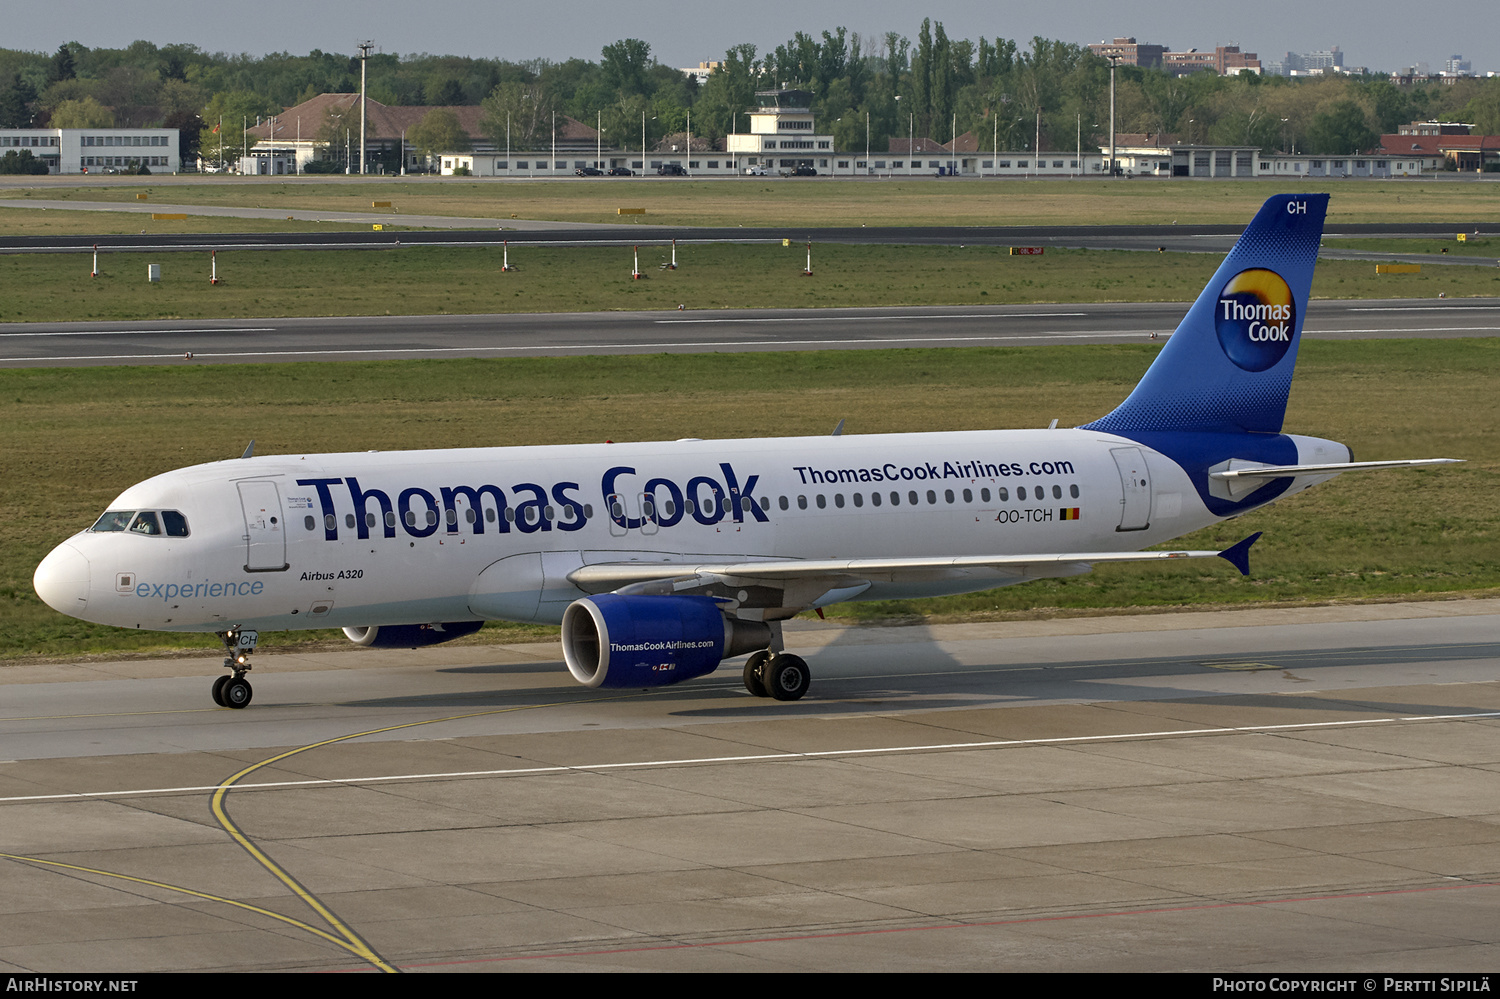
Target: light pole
<point>890,170</point>
<point>1037,157</point>
<point>598,139</point>
<point>867,142</point>
<point>1114,60</point>
<point>364,55</point>
<point>333,135</point>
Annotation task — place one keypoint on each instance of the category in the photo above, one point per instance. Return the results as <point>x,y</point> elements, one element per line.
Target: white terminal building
<point>96,150</point>
<point>781,133</point>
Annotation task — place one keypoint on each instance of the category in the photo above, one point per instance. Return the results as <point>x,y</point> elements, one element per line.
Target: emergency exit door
<point>1135,485</point>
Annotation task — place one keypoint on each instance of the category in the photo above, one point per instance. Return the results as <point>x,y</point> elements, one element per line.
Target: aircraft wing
<point>623,574</point>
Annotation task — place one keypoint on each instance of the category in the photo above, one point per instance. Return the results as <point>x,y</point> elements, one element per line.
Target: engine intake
<point>614,640</point>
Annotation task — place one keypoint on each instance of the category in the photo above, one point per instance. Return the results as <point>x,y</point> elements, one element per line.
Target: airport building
<point>782,137</point>
<point>1157,155</point>
<point>1443,150</point>
<point>96,150</point>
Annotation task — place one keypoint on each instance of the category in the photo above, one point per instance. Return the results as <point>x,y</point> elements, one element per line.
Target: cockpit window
<point>145,523</point>
<point>114,520</point>
<point>151,523</point>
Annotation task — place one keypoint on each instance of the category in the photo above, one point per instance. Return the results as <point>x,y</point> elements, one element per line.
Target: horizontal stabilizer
<point>1282,471</point>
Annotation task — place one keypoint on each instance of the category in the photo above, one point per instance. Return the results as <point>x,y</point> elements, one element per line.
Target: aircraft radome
<point>660,560</point>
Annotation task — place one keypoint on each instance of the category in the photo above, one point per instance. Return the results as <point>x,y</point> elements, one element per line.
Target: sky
<point>1381,34</point>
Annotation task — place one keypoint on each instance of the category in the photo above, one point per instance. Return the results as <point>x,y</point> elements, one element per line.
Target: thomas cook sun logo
<point>1255,318</point>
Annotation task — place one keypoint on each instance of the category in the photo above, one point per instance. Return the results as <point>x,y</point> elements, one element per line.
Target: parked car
<point>589,172</point>
<point>757,171</point>
<point>804,171</point>
<point>621,172</point>
<point>671,170</point>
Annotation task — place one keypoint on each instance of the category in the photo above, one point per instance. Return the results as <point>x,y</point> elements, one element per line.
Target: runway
<point>447,230</point>
<point>241,341</point>
<point>1253,790</point>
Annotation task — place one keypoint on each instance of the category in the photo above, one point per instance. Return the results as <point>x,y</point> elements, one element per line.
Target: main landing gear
<point>780,675</point>
<point>234,691</point>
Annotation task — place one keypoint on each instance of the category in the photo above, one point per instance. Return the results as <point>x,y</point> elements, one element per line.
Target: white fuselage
<point>347,540</point>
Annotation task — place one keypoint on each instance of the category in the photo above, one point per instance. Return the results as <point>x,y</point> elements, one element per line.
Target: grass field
<point>1473,246</point>
<point>761,201</point>
<point>427,280</point>
<point>71,439</point>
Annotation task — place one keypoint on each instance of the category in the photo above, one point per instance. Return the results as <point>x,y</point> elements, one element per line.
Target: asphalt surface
<point>567,334</point>
<point>452,231</point>
<point>1235,791</point>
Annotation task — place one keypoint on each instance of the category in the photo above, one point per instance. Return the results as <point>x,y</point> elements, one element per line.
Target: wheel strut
<point>234,691</point>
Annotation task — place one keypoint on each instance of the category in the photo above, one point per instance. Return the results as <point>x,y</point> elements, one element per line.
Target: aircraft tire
<point>237,693</point>
<point>219,690</point>
<point>787,677</point>
<point>755,673</point>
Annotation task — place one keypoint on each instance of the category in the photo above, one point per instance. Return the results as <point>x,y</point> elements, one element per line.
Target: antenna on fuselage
<point>838,431</point>
<point>249,449</point>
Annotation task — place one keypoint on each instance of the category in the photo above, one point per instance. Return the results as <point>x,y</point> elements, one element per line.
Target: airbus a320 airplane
<point>661,560</point>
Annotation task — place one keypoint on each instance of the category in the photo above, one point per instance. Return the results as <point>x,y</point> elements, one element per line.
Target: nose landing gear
<point>234,691</point>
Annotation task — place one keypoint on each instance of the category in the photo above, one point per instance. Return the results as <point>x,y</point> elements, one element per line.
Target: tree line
<point>864,89</point>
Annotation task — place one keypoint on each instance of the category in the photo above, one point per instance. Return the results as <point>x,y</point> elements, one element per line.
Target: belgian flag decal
<point>1068,513</point>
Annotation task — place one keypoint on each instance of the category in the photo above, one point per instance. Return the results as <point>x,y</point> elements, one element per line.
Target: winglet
<point>249,450</point>
<point>1239,554</point>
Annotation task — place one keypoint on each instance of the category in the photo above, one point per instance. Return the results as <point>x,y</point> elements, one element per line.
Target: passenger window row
<point>895,498</point>
<point>914,497</point>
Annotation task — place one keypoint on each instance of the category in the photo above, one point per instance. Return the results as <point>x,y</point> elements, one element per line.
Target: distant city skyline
<point>1383,35</point>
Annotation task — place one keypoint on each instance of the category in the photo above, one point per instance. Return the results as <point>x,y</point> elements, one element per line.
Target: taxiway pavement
<point>1249,790</point>
<point>723,331</point>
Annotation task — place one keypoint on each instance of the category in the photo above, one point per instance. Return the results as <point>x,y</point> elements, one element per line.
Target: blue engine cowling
<point>615,640</point>
<point>410,636</point>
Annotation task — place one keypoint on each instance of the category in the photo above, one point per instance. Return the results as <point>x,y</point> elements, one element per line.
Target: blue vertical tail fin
<point>1228,367</point>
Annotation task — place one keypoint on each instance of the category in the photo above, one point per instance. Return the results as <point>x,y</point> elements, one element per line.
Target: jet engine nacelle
<point>411,636</point>
<point>615,640</point>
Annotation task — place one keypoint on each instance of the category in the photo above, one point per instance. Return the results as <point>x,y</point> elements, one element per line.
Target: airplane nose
<point>62,580</point>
